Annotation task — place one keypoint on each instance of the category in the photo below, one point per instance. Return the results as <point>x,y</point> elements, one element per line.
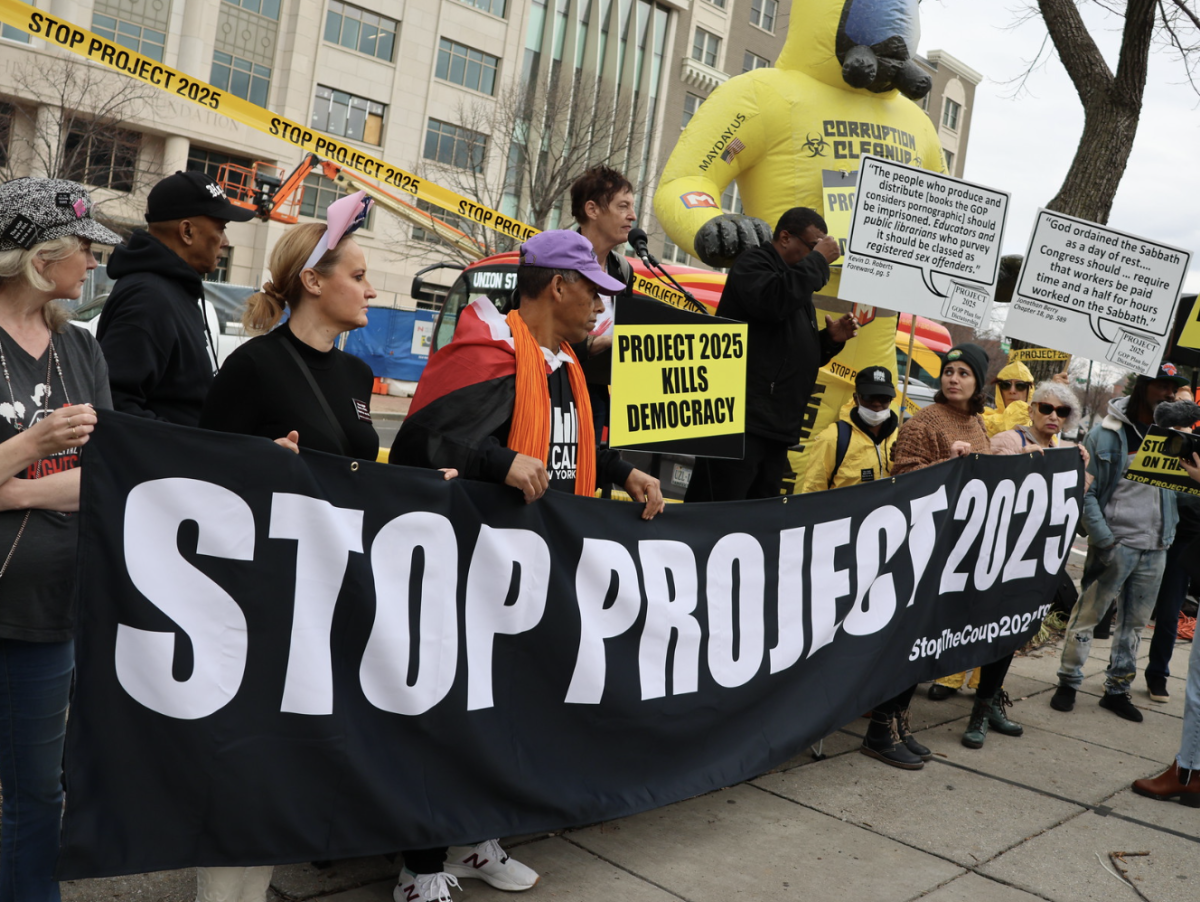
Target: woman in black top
<point>52,380</point>
<point>269,385</point>
<point>293,382</point>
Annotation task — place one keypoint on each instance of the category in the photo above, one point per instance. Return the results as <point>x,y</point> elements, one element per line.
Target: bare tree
<point>1112,101</point>
<point>71,123</point>
<point>529,144</point>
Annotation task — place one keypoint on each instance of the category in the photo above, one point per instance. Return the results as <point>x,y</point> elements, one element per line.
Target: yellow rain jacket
<point>865,461</point>
<point>1006,417</point>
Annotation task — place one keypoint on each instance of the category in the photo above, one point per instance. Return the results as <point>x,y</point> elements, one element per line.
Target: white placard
<point>924,243</point>
<point>1096,292</point>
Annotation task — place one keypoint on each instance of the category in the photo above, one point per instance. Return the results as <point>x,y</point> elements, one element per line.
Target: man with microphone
<point>602,204</point>
<point>770,287</point>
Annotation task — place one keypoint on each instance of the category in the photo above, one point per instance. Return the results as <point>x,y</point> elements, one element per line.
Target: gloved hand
<point>723,238</point>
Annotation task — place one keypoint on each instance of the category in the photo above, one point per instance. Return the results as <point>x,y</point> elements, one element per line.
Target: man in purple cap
<point>161,353</point>
<point>469,412</point>
<point>485,405</point>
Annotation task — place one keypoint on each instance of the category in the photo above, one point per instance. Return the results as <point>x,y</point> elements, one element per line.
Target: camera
<point>1181,445</point>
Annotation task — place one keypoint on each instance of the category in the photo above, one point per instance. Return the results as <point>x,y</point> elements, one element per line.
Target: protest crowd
<point>491,407</point>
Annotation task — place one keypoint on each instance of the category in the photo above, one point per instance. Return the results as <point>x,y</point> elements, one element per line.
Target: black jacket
<point>153,333</point>
<point>785,347</point>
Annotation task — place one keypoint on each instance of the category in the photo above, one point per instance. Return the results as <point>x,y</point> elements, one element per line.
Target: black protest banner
<point>297,657</point>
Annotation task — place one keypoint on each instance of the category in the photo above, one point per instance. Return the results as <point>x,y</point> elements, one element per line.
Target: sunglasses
<point>1047,409</point>
<point>1009,385</point>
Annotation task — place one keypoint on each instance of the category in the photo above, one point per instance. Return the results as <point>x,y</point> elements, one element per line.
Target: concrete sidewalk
<point>1021,819</point>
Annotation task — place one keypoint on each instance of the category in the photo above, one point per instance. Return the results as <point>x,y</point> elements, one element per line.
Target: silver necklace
<point>52,364</point>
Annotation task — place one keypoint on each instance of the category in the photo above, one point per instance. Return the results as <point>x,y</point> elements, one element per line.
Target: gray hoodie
<point>1134,513</point>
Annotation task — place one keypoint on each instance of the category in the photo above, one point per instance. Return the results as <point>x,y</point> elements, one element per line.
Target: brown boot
<point>1174,784</point>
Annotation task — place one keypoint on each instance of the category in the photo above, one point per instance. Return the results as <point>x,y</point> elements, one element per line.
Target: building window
<point>6,118</point>
<point>754,61</point>
<point>705,47</point>
<point>673,254</point>
<point>495,7</point>
<point>209,162</point>
<point>950,111</point>
<point>240,77</point>
<point>103,158</point>
<point>320,192</point>
<point>221,273</point>
<point>720,4</point>
<point>145,41</point>
<point>420,234</point>
<point>14,34</point>
<point>268,8</point>
<point>357,29</point>
<point>691,103</point>
<point>731,200</point>
<point>455,146</point>
<point>461,65</point>
<point>763,13</point>
<point>949,155</point>
<point>925,103</point>
<point>345,114</point>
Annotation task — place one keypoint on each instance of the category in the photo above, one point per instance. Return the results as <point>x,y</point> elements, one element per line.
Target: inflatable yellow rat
<point>840,90</point>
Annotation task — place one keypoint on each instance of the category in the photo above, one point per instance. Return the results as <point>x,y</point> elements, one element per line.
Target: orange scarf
<point>530,432</point>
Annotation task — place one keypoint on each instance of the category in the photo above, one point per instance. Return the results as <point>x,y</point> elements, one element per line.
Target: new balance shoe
<point>490,863</point>
<point>1122,706</point>
<point>424,887</point>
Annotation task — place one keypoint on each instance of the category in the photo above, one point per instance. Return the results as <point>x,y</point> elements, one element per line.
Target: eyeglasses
<point>877,399</point>
<point>1009,385</point>
<point>1047,409</point>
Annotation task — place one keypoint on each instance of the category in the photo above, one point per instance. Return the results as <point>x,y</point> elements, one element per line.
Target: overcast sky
<point>1025,145</point>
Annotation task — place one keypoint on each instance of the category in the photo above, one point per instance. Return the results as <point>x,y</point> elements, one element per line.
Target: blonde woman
<point>54,378</point>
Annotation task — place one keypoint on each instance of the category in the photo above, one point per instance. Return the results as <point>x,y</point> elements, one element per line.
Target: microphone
<point>640,242</point>
<point>639,239</point>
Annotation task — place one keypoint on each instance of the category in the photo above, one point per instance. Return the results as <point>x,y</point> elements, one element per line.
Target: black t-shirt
<point>261,391</point>
<point>564,433</point>
<point>37,591</point>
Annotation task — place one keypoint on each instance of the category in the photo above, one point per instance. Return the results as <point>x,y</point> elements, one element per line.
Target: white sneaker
<point>424,887</point>
<point>487,861</point>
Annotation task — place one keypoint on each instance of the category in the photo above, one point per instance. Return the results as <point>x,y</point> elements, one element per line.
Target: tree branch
<point>1079,54</point>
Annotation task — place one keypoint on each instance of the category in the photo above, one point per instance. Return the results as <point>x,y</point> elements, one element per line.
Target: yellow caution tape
<point>61,33</point>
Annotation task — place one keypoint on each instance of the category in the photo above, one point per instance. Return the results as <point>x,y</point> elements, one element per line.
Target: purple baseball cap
<point>564,249</point>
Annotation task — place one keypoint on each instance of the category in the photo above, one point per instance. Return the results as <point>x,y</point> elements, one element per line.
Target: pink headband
<point>341,218</point>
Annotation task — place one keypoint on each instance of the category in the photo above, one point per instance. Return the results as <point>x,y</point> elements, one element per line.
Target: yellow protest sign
<point>1026,354</point>
<point>678,382</point>
<point>1189,336</point>
<point>1151,467</point>
<point>838,188</point>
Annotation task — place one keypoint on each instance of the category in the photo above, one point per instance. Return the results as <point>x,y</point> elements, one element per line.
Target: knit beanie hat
<point>974,357</point>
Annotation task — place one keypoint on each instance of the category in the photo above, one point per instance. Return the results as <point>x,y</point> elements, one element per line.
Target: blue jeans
<point>35,682</point>
<point>1129,577</point>
<point>1171,594</point>
<point>1189,745</point>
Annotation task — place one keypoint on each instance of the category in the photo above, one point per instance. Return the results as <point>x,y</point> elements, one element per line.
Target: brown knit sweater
<point>927,437</point>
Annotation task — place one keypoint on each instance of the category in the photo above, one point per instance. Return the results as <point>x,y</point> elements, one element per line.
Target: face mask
<point>874,417</point>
